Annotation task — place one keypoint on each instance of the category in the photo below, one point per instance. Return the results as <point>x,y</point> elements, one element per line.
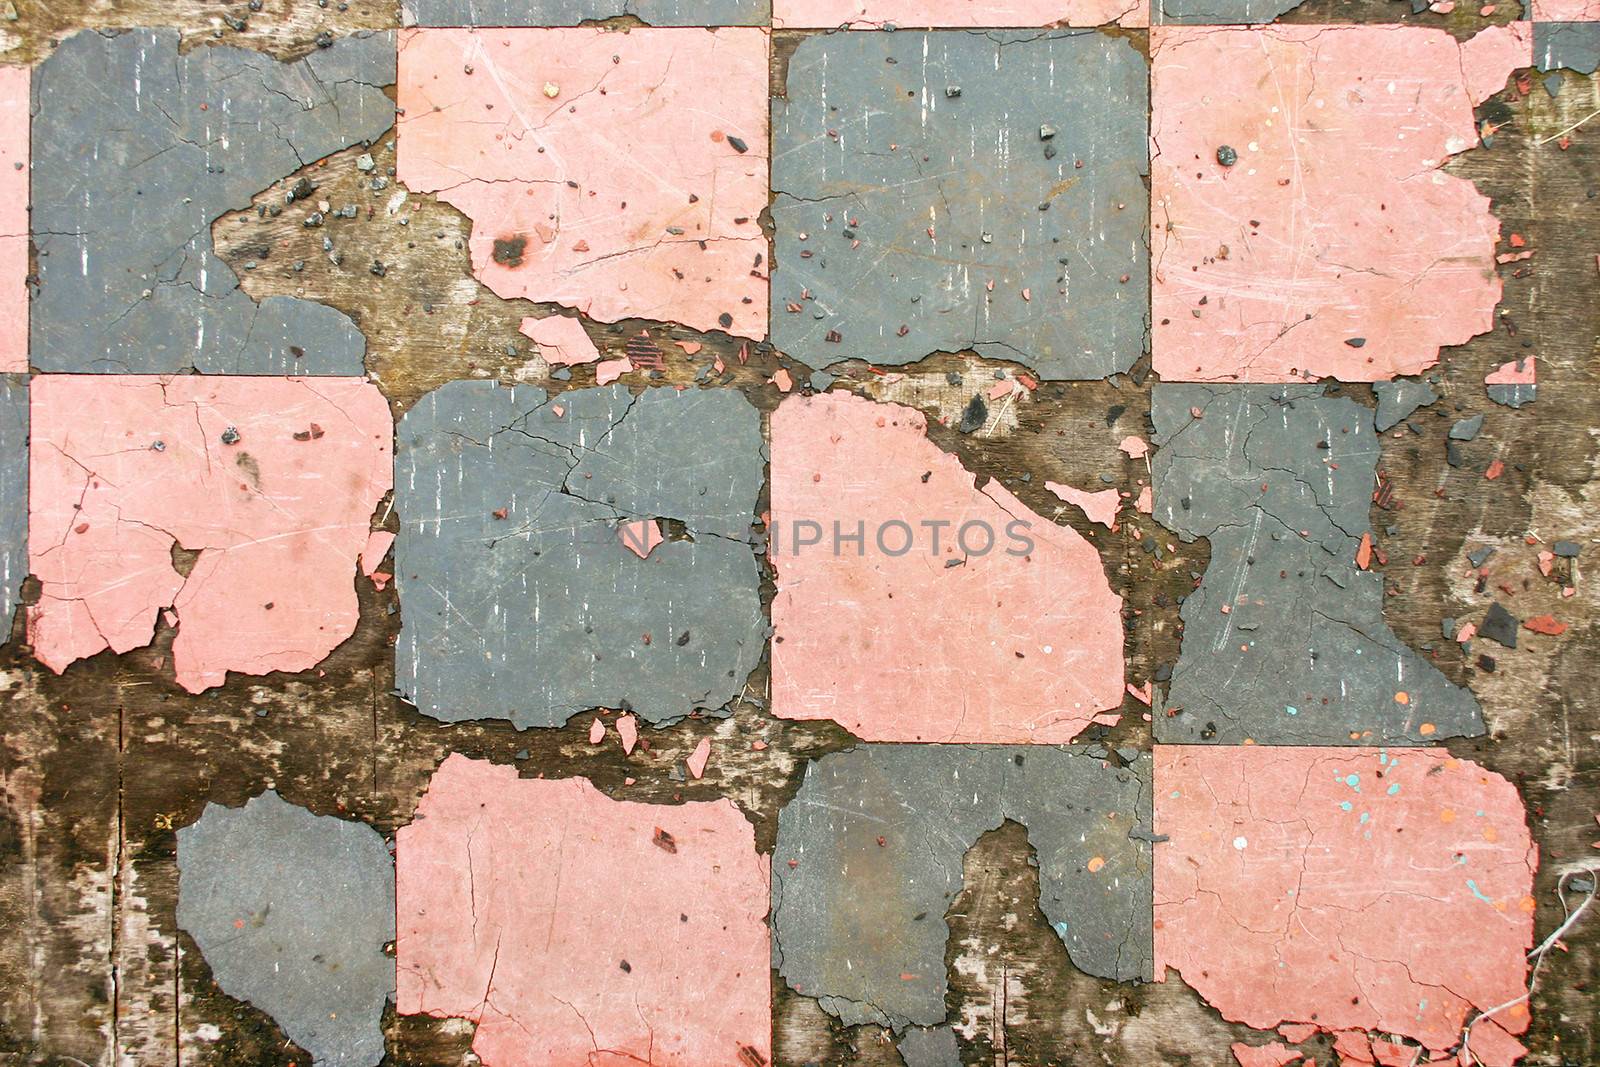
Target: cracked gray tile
<point>947,190</point>
<point>292,912</point>
<point>1567,46</point>
<point>520,599</point>
<point>902,816</point>
<point>137,149</point>
<point>1284,641</point>
<point>13,495</point>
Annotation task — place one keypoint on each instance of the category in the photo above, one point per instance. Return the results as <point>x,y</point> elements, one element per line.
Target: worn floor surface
<point>596,730</point>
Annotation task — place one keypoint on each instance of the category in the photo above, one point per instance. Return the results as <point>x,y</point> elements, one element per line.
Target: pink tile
<point>272,481</point>
<point>1019,644</point>
<point>602,170</point>
<point>14,115</point>
<point>1354,888</point>
<point>573,929</point>
<point>1566,10</point>
<point>1335,245</point>
<point>909,14</point>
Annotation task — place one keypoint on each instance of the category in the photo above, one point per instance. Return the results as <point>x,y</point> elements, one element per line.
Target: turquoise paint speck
<point>1061,930</point>
<point>1366,817</point>
<point>1345,805</point>
<point>1393,789</point>
<point>1291,709</point>
<point>1473,885</point>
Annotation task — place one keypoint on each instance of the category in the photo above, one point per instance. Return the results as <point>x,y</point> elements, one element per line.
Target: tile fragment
<point>168,142</point>
<point>1319,251</point>
<point>14,175</point>
<point>1515,383</point>
<point>561,339</point>
<point>1398,399</point>
<point>1571,46</point>
<point>888,246</point>
<point>1276,854</point>
<point>908,14</point>
<point>911,604</point>
<point>1272,1054</point>
<point>561,922</point>
<point>522,600</point>
<point>1100,507</point>
<point>598,171</point>
<point>903,816</point>
<point>292,912</point>
<point>1284,640</point>
<point>242,503</point>
<point>930,1046</point>
<point>486,13</point>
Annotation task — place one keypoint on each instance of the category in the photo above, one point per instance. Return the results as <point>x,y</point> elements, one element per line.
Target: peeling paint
<point>963,616</point>
<point>573,12</point>
<point>951,190</point>
<point>574,929</point>
<point>1284,640</point>
<point>266,485</point>
<point>874,14</point>
<point>598,172</point>
<point>869,853</point>
<point>523,598</point>
<point>1352,889</point>
<point>292,912</point>
<point>1333,244</point>
<point>163,145</point>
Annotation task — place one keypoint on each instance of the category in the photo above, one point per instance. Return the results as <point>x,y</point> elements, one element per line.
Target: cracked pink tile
<point>619,173</point>
<point>1566,10</point>
<point>958,616</point>
<point>1287,872</point>
<point>1303,224</point>
<point>241,504</point>
<point>14,155</point>
<point>573,929</point>
<point>912,14</point>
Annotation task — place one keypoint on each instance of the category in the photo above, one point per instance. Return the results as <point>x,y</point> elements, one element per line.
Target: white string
<point>1538,954</point>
